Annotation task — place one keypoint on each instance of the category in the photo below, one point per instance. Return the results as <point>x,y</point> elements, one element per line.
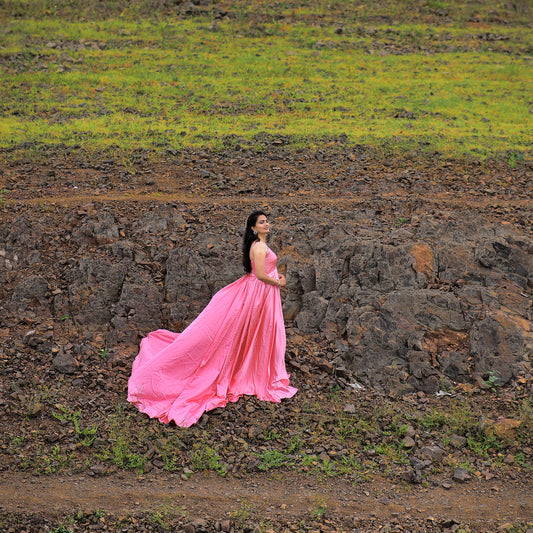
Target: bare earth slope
<point>40,491</point>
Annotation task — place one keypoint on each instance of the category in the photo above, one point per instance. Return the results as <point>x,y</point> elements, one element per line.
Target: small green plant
<point>241,514</point>
<point>434,420</point>
<point>491,380</point>
<point>55,463</point>
<point>402,220</point>
<point>85,435</point>
<point>271,435</point>
<point>514,158</point>
<point>295,444</point>
<point>319,508</point>
<point>102,352</point>
<point>62,529</point>
<point>3,192</point>
<point>521,460</point>
<point>391,451</point>
<point>272,459</point>
<point>17,441</point>
<point>204,457</point>
<point>163,516</point>
<point>121,434</point>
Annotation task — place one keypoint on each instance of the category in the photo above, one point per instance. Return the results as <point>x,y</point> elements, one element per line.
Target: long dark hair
<point>249,238</point>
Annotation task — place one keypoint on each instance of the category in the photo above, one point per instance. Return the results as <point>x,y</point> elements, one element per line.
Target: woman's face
<point>261,226</point>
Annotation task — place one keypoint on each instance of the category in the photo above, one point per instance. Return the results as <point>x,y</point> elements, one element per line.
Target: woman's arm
<point>258,253</point>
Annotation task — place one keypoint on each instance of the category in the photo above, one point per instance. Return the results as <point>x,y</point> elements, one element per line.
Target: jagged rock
<point>412,309</point>
<point>30,293</point>
<point>104,230</point>
<point>314,311</point>
<point>461,475</point>
<point>432,453</point>
<point>499,342</point>
<point>137,312</point>
<point>94,286</point>
<point>65,362</point>
<point>504,428</point>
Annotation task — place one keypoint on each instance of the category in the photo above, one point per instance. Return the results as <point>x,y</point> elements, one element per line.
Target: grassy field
<point>428,76</point>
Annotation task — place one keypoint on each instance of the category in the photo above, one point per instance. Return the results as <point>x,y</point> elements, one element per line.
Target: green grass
<point>122,83</point>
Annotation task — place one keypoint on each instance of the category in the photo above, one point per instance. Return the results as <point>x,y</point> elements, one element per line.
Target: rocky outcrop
<point>412,308</point>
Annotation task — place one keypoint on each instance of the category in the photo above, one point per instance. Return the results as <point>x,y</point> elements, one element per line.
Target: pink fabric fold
<point>235,347</point>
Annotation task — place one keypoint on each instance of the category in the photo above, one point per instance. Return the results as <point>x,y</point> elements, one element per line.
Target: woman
<point>235,347</point>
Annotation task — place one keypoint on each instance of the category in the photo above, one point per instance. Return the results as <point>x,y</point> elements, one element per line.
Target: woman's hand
<point>282,280</point>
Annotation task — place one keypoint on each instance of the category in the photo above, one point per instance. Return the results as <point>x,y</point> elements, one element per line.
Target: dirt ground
<point>279,498</point>
<point>228,183</point>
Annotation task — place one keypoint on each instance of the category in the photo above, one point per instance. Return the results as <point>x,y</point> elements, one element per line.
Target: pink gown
<point>235,347</point>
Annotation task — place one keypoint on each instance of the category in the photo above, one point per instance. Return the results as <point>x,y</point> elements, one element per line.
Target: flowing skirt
<point>235,347</point>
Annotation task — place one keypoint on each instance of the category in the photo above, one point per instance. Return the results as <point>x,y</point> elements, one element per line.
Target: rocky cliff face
<point>413,304</point>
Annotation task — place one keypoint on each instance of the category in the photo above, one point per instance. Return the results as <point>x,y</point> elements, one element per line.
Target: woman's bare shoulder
<point>258,247</point>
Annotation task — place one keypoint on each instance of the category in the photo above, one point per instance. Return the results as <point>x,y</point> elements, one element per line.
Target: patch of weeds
<point>462,419</point>
<point>241,515</point>
<point>16,440</point>
<point>466,466</point>
<point>401,221</point>
<point>319,508</point>
<point>482,442</point>
<point>270,434</point>
<point>62,529</point>
<point>520,459</point>
<point>491,380</point>
<point>32,403</point>
<point>349,465</point>
<point>295,444</point>
<point>167,448</point>
<point>85,435</point>
<point>120,433</point>
<point>390,451</point>
<point>526,418</point>
<point>206,458</point>
<point>348,428</point>
<point>514,159</point>
<point>325,467</point>
<point>55,463</point>
<point>165,514</point>
<point>433,420</point>
<point>272,459</point>
<point>102,352</point>
<point>334,393</point>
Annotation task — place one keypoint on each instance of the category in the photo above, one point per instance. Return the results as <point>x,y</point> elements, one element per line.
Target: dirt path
<point>270,496</point>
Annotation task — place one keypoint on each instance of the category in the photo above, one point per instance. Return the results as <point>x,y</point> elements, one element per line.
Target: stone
<point>350,409</point>
<point>408,442</point>
<point>30,293</point>
<point>457,441</point>
<point>98,470</point>
<point>65,363</point>
<point>432,453</point>
<point>462,475</point>
<point>504,428</point>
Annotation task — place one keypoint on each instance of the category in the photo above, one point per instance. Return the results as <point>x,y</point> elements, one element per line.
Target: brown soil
<point>279,498</point>
<point>227,185</point>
